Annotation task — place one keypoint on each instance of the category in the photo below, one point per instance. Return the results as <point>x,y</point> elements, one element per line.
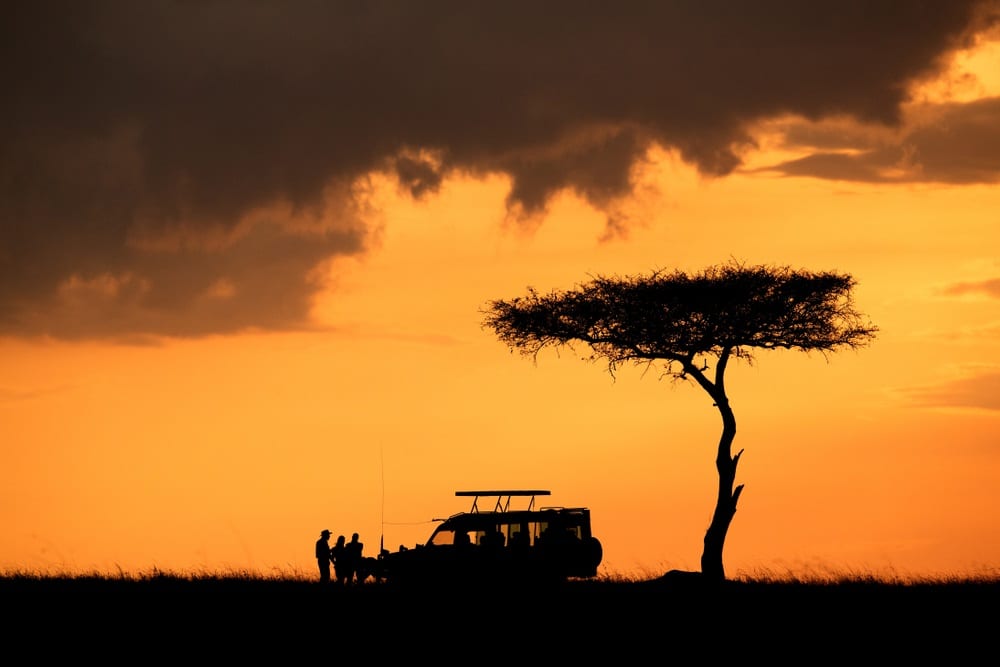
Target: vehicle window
<point>491,537</point>
<point>519,540</point>
<point>443,537</point>
<point>538,529</point>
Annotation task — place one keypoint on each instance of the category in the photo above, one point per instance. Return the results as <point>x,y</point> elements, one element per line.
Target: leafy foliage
<point>727,310</point>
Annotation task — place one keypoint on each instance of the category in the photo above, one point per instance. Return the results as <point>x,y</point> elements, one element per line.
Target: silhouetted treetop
<point>723,311</point>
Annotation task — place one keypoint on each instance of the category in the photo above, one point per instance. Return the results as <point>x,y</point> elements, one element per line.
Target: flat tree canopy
<point>693,325</point>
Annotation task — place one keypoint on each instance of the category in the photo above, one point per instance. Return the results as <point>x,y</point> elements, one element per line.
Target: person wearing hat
<point>323,556</point>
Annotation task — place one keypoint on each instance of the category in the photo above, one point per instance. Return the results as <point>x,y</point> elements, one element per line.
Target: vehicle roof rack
<point>503,497</point>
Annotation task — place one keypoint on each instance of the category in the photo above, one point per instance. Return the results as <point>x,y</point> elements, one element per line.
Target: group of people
<point>346,559</point>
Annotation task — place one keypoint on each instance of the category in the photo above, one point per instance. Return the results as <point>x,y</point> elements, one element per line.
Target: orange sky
<point>222,422</point>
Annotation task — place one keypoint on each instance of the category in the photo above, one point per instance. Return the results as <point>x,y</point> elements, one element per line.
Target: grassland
<point>241,615</point>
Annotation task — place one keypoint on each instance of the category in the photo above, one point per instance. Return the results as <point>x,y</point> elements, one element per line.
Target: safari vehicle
<point>550,543</point>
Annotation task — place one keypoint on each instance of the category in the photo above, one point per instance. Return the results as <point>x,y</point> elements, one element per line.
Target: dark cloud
<point>979,391</point>
<point>184,167</point>
<point>950,143</point>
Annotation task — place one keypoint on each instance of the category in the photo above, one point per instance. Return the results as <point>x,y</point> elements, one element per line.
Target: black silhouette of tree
<point>690,323</point>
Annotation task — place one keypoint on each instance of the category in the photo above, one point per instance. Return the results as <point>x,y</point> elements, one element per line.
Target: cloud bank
<point>187,168</point>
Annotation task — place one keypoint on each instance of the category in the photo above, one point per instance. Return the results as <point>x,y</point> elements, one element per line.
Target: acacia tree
<point>693,325</point>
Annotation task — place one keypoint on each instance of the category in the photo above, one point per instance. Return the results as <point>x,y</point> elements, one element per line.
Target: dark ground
<point>672,619</point>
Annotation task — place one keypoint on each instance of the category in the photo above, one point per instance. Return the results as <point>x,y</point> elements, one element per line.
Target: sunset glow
<point>221,334</point>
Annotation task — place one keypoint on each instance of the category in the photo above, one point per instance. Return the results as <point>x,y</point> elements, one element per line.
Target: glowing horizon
<point>208,393</point>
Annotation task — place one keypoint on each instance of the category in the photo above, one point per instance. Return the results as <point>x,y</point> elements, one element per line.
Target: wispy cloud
<point>13,394</point>
<point>977,391</point>
<point>950,143</point>
<point>989,288</point>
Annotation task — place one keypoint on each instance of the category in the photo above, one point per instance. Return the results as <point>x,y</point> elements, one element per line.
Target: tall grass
<point>779,616</point>
<point>815,576</point>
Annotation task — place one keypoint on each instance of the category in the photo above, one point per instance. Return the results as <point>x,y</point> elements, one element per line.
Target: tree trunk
<point>725,504</point>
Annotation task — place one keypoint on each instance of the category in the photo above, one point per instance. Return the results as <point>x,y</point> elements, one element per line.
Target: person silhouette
<point>353,550</point>
<point>341,560</point>
<point>323,556</point>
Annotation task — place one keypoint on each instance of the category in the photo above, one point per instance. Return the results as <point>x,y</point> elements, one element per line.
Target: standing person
<point>354,551</point>
<point>323,556</point>
<point>341,560</point>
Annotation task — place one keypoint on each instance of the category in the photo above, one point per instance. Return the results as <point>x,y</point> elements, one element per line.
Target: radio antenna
<point>381,539</point>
